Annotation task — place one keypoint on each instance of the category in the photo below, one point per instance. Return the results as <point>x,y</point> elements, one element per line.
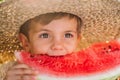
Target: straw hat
<point>101,19</point>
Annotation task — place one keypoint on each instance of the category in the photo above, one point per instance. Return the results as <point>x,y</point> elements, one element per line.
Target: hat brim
<point>101,19</point>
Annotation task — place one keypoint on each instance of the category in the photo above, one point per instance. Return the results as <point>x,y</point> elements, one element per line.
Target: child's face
<point>59,37</point>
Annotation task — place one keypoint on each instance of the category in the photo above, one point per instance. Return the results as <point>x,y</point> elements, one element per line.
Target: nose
<point>57,44</point>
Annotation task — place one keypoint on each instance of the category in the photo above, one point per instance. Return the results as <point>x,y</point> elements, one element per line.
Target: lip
<point>57,53</point>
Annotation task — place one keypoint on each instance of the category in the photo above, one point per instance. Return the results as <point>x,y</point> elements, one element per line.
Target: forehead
<point>64,22</point>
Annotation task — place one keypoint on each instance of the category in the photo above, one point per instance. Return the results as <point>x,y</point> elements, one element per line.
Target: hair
<point>45,19</point>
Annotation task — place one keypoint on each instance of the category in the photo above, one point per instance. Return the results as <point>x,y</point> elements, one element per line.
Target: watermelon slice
<point>97,62</point>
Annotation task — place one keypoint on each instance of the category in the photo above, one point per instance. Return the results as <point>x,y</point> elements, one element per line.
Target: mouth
<point>57,53</point>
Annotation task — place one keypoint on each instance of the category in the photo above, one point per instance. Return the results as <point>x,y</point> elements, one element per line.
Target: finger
<point>21,71</point>
<point>21,77</point>
<point>20,66</point>
<point>23,66</point>
<point>27,77</point>
<point>118,78</point>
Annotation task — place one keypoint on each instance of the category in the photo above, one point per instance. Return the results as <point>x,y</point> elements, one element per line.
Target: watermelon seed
<point>31,56</point>
<point>107,51</point>
<point>104,48</point>
<point>109,47</point>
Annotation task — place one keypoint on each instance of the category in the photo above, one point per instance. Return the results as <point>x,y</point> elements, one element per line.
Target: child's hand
<point>20,72</point>
<point>118,78</point>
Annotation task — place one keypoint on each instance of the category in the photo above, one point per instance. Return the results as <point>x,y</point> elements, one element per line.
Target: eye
<point>68,35</point>
<point>44,35</point>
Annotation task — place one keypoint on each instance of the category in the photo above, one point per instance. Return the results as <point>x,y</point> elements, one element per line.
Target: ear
<point>25,42</point>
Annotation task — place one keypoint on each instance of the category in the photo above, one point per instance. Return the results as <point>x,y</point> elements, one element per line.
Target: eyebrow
<point>42,30</point>
<point>51,31</point>
<point>71,31</point>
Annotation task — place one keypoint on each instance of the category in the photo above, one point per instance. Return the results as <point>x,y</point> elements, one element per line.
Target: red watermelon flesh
<point>87,64</point>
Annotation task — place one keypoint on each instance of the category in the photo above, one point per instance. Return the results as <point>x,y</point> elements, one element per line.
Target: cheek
<point>39,47</point>
<point>71,44</point>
